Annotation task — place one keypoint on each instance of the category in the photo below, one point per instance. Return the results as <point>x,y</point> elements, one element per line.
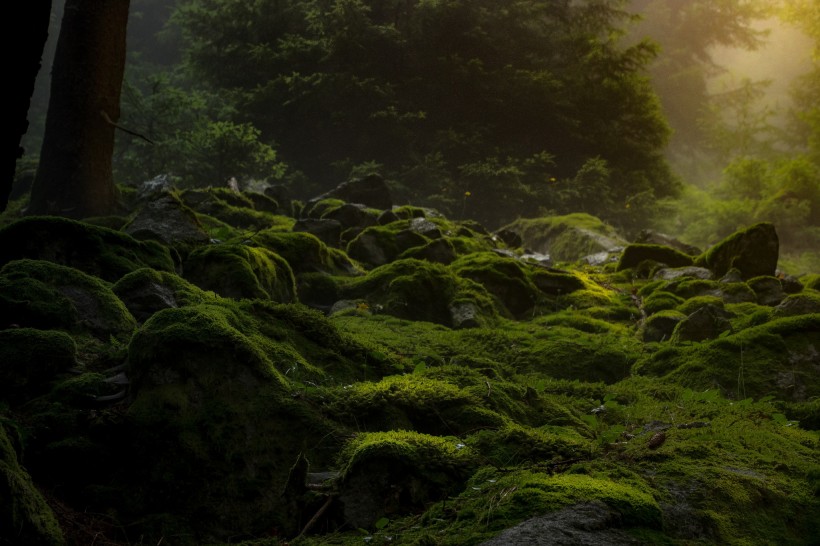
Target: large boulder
<point>95,250</point>
<point>240,271</point>
<point>306,253</point>
<point>635,254</point>
<point>506,279</point>
<point>568,238</point>
<point>146,291</point>
<point>40,294</point>
<point>168,221</point>
<point>753,252</point>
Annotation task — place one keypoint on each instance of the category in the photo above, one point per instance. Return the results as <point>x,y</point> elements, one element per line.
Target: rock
<point>40,294</point>
<point>326,230</point>
<point>673,273</point>
<point>650,237</point>
<point>425,227</point>
<point>439,251</point>
<point>379,245</point>
<point>97,251</point>
<point>509,238</point>
<point>281,194</point>
<point>769,290</point>
<point>150,190</point>
<point>464,315</point>
<point>350,215</point>
<point>635,254</point>
<point>588,524</point>
<point>798,304</point>
<point>660,326</point>
<point>370,190</point>
<point>732,276</point>
<point>753,251</point>
<point>146,291</point>
<point>567,238</point>
<point>239,271</point>
<point>263,202</point>
<point>504,278</point>
<point>168,221</point>
<point>708,322</point>
<point>556,283</point>
<point>306,253</point>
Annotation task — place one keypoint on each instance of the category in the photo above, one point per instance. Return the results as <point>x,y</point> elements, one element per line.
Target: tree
<point>33,16</point>
<point>75,177</point>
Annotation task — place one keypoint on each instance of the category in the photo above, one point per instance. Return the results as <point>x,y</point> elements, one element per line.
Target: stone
<point>635,254</point>
<point>798,304</point>
<point>370,190</point>
<point>753,252</point>
<point>769,290</point>
<point>708,322</point>
<point>660,326</point>
<point>674,273</point>
<point>168,221</point>
<point>326,230</point>
<point>465,315</point>
<point>351,215</point>
<point>651,237</point>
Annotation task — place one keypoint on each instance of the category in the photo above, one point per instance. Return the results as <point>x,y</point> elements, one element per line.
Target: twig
<point>111,122</point>
<point>316,517</point>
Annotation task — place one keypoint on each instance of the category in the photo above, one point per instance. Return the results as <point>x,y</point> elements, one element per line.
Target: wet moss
<point>240,271</point>
<point>567,238</point>
<point>307,254</point>
<point>97,251</point>
<point>693,304</point>
<point>506,279</point>
<point>661,300</point>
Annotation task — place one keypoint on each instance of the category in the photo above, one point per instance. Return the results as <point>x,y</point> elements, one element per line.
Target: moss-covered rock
<point>307,254</point>
<point>98,251</point>
<point>753,251</point>
<point>706,322</point>
<point>798,304</point>
<point>30,359</point>
<point>777,358</point>
<point>167,220</point>
<point>45,295</point>
<point>399,472</point>
<point>661,325</point>
<point>506,279</point>
<point>661,300</point>
<point>240,271</point>
<point>146,291</point>
<point>418,290</point>
<point>379,245</point>
<point>567,238</point>
<point>769,290</point>
<point>25,517</point>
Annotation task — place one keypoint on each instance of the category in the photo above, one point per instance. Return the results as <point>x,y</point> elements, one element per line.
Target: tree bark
<point>75,177</point>
<point>34,17</point>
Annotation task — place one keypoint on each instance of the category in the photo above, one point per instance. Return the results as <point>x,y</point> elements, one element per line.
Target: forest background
<point>695,118</point>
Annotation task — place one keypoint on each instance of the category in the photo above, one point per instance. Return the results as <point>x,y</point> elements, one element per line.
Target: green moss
<point>141,288</point>
<point>514,445</point>
<point>319,208</point>
<point>307,254</point>
<point>43,294</point>
<point>661,325</point>
<point>634,254</point>
<point>98,251</point>
<point>506,279</point>
<point>661,300</point>
<point>239,271</point>
<point>811,282</point>
<point>753,251</point>
<point>693,304</point>
<point>771,359</point>
<point>746,315</point>
<point>566,238</point>
<point>572,319</point>
<point>25,517</point>
<point>234,209</point>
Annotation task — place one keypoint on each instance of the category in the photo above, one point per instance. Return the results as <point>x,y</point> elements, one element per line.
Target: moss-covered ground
<point>427,385</point>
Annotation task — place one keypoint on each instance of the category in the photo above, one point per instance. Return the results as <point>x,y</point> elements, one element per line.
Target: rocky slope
<point>219,367</point>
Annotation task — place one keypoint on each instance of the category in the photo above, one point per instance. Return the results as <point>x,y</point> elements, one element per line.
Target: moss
<point>693,304</point>
<point>572,319</point>
<point>661,325</point>
<point>746,315</point>
<point>234,209</point>
<point>146,291</point>
<point>43,294</point>
<point>566,238</point>
<point>307,254</point>
<point>416,290</point>
<point>804,303</point>
<point>25,517</point>
<point>514,445</point>
<point>661,300</point>
<point>634,254</point>
<point>771,359</point>
<point>506,279</point>
<point>31,359</point>
<point>318,208</point>
<point>812,282</point>
<point>379,245</point>
<point>239,271</point>
<point>753,251</point>
<point>97,251</point>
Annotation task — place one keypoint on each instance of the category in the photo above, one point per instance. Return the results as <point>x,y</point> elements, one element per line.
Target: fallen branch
<point>111,122</point>
<point>315,518</point>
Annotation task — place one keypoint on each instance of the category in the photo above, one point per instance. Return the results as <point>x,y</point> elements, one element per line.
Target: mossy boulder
<point>660,300</point>
<point>240,271</point>
<point>753,251</point>
<point>98,251</point>
<point>25,517</point>
<point>634,254</point>
<point>419,290</point>
<point>769,290</point>
<point>146,291</point>
<point>167,220</point>
<point>218,416</point>
<point>778,358</point>
<point>804,303</point>
<point>706,322</point>
<point>661,325</point>
<point>567,238</point>
<point>506,279</point>
<point>46,295</point>
<point>379,245</point>
<point>370,190</point>
<point>307,254</point>
<point>30,359</point>
<point>399,472</point>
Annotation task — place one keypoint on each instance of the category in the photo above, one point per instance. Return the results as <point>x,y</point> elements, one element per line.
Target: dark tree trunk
<point>33,16</point>
<point>74,177</point>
